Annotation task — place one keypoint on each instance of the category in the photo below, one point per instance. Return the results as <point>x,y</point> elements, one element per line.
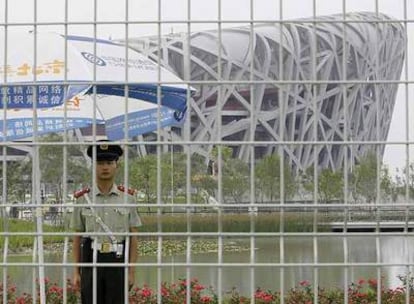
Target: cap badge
<point>104,147</point>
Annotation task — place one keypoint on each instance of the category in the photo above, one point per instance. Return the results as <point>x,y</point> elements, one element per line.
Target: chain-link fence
<point>266,148</point>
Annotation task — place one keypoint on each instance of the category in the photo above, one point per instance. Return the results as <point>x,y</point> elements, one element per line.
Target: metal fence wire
<point>266,147</point>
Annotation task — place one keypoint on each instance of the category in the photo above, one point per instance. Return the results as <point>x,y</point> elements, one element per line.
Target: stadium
<point>319,91</point>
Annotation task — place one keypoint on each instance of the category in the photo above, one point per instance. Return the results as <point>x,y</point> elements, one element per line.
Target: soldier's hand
<point>76,279</point>
<point>131,277</point>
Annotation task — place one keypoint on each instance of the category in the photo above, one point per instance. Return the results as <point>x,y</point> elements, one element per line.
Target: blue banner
<point>171,97</point>
<point>19,128</point>
<point>140,123</point>
<point>22,96</point>
<point>47,95</point>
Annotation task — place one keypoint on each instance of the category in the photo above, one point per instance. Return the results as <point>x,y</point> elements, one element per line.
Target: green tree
<point>143,176</point>
<point>235,179</point>
<point>173,173</point>
<point>388,187</point>
<point>226,153</point>
<point>203,182</point>
<point>367,174</point>
<point>268,178</point>
<point>51,161</point>
<point>234,173</point>
<point>405,180</point>
<point>330,184</point>
<point>16,185</point>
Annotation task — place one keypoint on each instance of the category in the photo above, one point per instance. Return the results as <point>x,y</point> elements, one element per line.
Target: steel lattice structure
<point>299,86</point>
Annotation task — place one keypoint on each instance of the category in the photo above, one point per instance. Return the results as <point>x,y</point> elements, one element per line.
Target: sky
<point>143,17</point>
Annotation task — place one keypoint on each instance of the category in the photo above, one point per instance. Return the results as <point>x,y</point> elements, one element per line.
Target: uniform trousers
<point>110,281</point>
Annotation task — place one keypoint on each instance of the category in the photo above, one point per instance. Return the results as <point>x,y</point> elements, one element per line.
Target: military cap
<point>105,151</point>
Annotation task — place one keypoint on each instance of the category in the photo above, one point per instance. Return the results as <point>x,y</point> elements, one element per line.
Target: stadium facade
<point>321,91</point>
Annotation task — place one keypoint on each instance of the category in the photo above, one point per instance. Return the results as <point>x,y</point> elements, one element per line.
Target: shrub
<point>10,292</point>
<point>174,293</point>
<point>361,292</point>
<point>54,294</point>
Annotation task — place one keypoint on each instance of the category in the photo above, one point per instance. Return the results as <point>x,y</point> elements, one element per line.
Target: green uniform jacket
<point>118,219</point>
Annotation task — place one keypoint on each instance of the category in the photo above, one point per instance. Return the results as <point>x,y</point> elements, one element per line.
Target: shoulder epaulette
<point>130,191</point>
<point>81,192</point>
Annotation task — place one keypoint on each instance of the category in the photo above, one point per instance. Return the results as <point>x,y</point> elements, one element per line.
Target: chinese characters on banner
<point>18,95</point>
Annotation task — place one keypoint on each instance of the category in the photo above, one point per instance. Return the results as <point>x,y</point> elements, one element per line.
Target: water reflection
<point>320,260</point>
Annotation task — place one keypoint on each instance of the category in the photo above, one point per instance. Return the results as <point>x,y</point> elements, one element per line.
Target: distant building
<point>286,86</point>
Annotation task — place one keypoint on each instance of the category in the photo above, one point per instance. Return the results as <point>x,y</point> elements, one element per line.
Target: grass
<point>21,227</point>
<point>269,222</point>
<point>179,223</point>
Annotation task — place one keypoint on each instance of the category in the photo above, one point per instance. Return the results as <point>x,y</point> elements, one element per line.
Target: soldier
<point>102,225</point>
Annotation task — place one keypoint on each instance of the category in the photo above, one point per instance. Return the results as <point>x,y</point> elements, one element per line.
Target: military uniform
<point>118,219</point>
<point>110,248</point>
